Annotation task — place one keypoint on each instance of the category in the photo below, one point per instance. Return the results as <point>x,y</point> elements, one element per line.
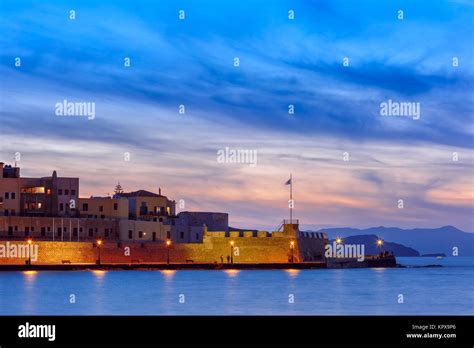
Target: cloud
<point>282,63</point>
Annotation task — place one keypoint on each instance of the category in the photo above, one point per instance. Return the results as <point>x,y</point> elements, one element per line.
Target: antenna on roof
<point>159,191</point>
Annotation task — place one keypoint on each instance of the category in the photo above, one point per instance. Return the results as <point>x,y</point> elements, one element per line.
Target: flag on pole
<point>288,182</point>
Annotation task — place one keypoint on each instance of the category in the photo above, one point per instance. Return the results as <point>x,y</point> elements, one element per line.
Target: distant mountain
<point>425,240</point>
<point>371,248</point>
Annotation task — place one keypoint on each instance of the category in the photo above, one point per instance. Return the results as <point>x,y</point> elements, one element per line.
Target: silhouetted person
<point>228,259</point>
<point>222,259</point>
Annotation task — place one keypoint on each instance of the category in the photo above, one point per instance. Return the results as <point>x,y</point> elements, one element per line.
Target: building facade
<point>103,208</point>
<point>9,190</point>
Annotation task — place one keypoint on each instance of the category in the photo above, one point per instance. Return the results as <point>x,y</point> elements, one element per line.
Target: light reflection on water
<point>232,273</point>
<point>168,273</point>
<point>292,273</point>
<point>445,290</point>
<point>29,300</point>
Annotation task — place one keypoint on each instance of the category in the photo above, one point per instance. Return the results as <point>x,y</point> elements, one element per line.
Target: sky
<point>350,165</point>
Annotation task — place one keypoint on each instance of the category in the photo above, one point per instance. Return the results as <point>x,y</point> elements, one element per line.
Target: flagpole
<point>291,199</point>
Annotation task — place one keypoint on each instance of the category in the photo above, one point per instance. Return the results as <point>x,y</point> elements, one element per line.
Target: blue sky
<point>282,62</point>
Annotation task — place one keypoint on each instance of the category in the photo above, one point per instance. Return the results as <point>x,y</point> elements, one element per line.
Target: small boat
<point>439,257</point>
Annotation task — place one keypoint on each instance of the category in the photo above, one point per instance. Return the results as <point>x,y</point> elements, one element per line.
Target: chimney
<point>159,191</point>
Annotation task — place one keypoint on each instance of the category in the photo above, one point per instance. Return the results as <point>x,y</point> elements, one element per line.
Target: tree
<point>118,189</point>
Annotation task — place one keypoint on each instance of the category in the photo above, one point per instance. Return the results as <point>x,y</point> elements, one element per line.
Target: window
<point>106,232</point>
<point>61,207</point>
<point>6,212</point>
<point>140,234</point>
<point>16,228</point>
<point>73,192</point>
<point>115,206</point>
<point>60,192</point>
<point>91,232</point>
<point>43,231</point>
<point>32,228</point>
<point>143,209</point>
<point>197,236</point>
<point>74,232</point>
<point>168,235</point>
<point>32,190</point>
<point>59,231</point>
<point>7,195</point>
<point>181,235</point>
<point>10,230</point>
<point>49,229</point>
<point>130,234</point>
<point>48,191</point>
<point>66,192</point>
<point>13,195</point>
<point>101,208</point>
<point>85,207</point>
<point>27,231</point>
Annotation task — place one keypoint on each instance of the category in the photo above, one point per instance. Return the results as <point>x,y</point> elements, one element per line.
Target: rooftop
<point>139,193</point>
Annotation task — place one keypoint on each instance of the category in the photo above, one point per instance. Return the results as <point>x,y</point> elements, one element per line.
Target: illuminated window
<point>38,189</point>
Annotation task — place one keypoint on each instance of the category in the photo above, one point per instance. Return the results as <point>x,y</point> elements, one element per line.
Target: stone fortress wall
<point>248,247</point>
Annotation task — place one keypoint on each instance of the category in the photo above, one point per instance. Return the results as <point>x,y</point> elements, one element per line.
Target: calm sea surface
<point>445,290</point>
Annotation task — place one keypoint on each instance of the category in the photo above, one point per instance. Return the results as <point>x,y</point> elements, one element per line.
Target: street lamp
<point>29,241</point>
<point>292,247</point>
<point>99,243</point>
<point>168,244</point>
<point>231,251</point>
<point>338,240</point>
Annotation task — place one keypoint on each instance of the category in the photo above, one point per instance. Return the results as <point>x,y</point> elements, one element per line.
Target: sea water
<point>413,290</point>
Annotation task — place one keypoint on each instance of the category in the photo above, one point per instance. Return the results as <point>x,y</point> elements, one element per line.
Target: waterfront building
<point>104,208</point>
<point>46,196</point>
<point>49,196</point>
<point>145,205</point>
<point>9,190</point>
